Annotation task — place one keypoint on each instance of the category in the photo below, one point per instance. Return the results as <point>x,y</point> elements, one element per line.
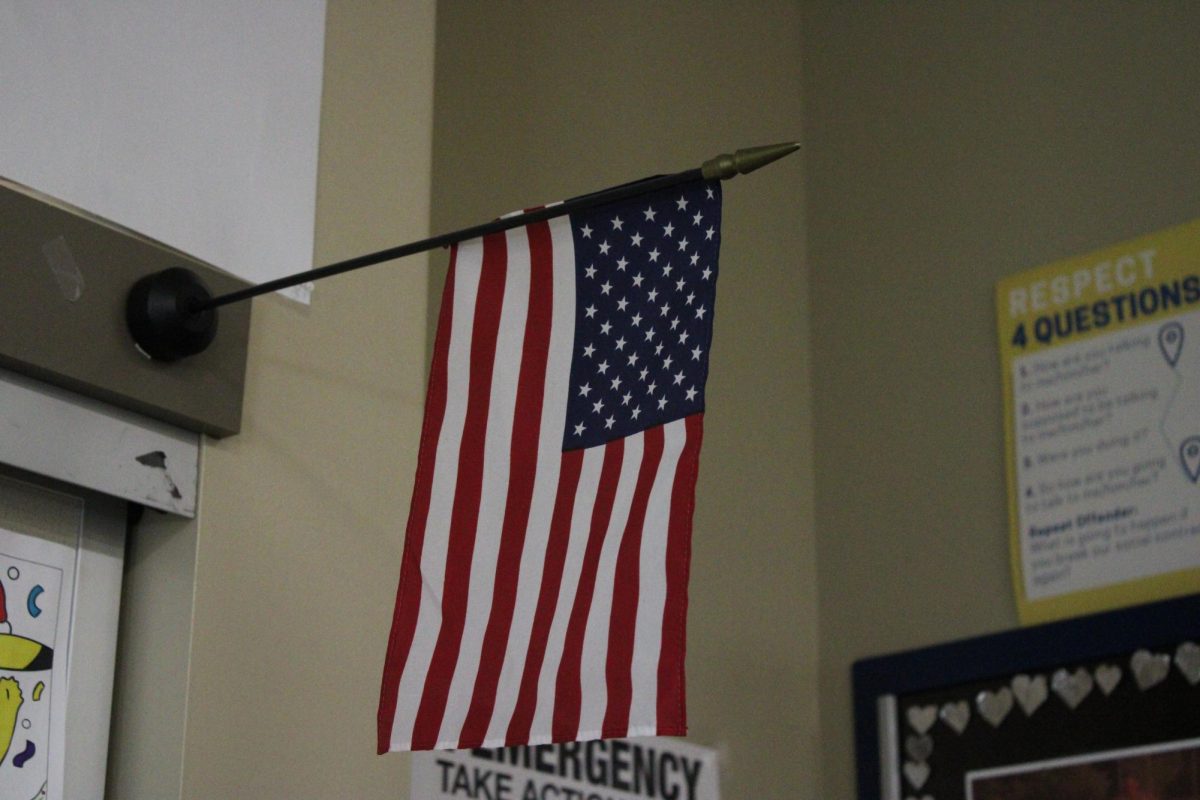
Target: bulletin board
<point>1109,703</point>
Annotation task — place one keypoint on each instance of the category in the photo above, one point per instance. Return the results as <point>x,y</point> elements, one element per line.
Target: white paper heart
<point>956,715</point>
<point>921,718</point>
<point>1107,677</point>
<point>1030,692</point>
<point>1187,658</point>
<point>917,773</point>
<point>1072,687</point>
<point>919,748</point>
<point>1149,669</point>
<point>994,706</point>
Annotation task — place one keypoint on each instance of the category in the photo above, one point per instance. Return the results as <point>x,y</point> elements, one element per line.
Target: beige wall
<point>540,100</point>
<point>949,145</point>
<point>253,639</point>
<point>945,146</point>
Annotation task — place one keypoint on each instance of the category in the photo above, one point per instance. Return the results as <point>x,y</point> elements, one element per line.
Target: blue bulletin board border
<point>973,663</point>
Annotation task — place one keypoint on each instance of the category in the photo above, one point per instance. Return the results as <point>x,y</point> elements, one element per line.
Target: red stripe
<point>408,596</point>
<point>672,714</point>
<point>465,514</point>
<point>523,458</point>
<point>623,620</point>
<point>567,690</point>
<point>552,570</point>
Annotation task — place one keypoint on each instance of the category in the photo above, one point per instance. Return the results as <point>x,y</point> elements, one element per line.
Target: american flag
<point>543,585</point>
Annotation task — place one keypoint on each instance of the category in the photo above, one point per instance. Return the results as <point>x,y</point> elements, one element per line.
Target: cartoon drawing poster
<point>37,579</point>
<point>1100,358</point>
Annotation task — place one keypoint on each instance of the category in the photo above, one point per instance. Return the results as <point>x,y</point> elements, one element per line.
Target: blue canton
<point>645,278</point>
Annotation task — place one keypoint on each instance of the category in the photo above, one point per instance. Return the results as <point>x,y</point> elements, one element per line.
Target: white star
<point>626,398</point>
<point>637,279</point>
<point>642,375</point>
<point>606,327</point>
<point>617,223</point>
<point>681,203</point>
<point>662,402</point>
<point>700,312</point>
<point>668,230</point>
<point>691,296</point>
<point>583,390</point>
<point>651,388</point>
<point>621,343</point>
<point>590,311</point>
<point>683,337</point>
<point>678,378</point>
<point>608,423</point>
<point>696,353</point>
<point>706,274</point>
<point>683,243</point>
<point>679,285</point>
<point>587,351</point>
<point>586,231</point>
<point>579,429</point>
<point>596,406</point>
<point>621,304</point>
<point>603,367</point>
<point>709,191</point>
<point>649,212</point>
<point>674,323</point>
<point>636,320</point>
<point>653,295</point>
<point>708,234</point>
<point>633,358</point>
<point>604,247</point>
<point>666,309</point>
<point>636,410</point>
<point>621,263</point>
<point>691,393</point>
<point>605,287</point>
<point>667,362</point>
<point>590,271</point>
<point>667,270</point>
<point>658,350</point>
<point>654,255</point>
<point>616,383</point>
<point>649,334</point>
<point>636,240</point>
<point>696,219</point>
<point>695,258</point>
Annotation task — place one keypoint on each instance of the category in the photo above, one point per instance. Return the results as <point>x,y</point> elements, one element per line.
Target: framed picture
<point>1104,707</point>
<point>61,558</point>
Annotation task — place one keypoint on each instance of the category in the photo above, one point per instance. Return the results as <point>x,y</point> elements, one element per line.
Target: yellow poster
<point>1100,357</point>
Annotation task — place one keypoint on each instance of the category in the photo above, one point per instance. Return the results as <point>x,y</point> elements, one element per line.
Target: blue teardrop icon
<point>1170,341</point>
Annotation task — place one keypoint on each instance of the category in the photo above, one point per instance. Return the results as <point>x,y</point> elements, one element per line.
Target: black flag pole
<point>172,315</point>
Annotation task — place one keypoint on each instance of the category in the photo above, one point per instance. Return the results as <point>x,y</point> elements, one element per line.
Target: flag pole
<point>172,315</point>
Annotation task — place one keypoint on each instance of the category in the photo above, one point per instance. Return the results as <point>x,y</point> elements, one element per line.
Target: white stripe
<point>593,678</point>
<point>652,588</point>
<point>581,522</point>
<point>445,476</point>
<point>545,486</point>
<point>497,450</point>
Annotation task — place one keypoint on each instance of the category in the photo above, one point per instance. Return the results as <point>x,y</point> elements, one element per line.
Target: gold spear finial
<point>725,166</point>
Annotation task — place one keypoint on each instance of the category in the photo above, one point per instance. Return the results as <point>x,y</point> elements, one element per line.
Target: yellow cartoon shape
<point>10,704</point>
<point>20,654</point>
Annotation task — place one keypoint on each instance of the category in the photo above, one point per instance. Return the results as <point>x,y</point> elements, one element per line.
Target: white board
<point>194,122</point>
